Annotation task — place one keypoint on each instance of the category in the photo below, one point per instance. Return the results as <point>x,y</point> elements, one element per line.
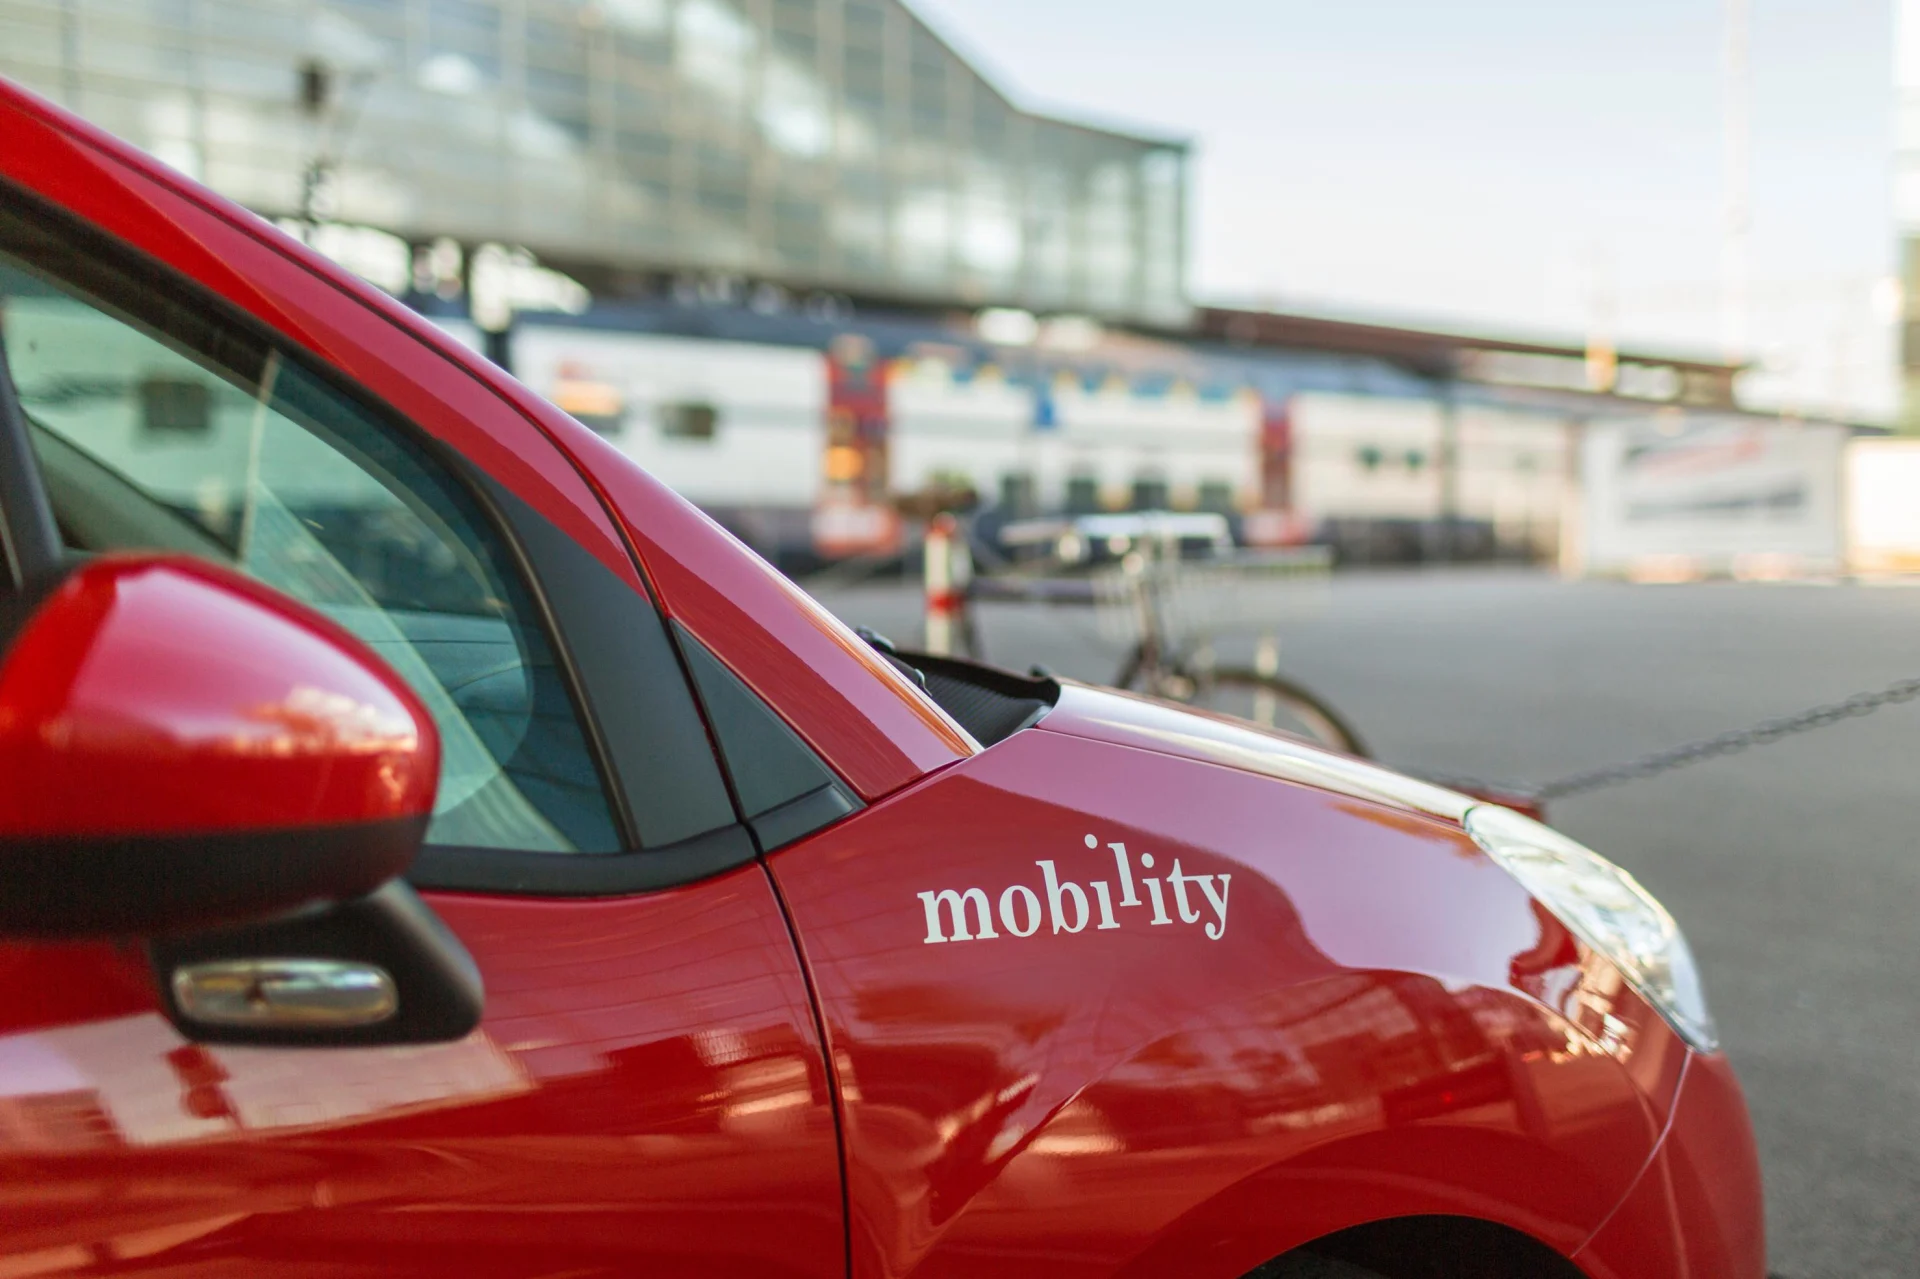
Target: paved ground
<point>1795,869</point>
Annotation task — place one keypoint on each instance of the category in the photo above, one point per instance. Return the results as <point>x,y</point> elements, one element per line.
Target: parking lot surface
<point>1795,868</point>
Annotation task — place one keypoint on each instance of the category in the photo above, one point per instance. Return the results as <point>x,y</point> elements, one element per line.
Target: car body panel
<point>1130,719</point>
<point>646,1093</point>
<point>1388,1025</point>
<point>1696,1211</point>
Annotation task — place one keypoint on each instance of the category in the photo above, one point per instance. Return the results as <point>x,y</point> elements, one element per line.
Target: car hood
<point>1127,719</point>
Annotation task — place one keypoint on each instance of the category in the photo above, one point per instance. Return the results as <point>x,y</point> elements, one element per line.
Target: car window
<point>168,432</point>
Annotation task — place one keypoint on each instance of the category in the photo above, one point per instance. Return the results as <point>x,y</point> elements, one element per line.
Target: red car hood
<point>1130,720</point>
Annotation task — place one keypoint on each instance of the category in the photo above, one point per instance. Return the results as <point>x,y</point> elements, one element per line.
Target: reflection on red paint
<point>646,1086</point>
<point>1111,1099</point>
<point>115,720</point>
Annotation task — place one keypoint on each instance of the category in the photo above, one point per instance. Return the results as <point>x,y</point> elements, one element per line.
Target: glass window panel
<point>796,15</point>
<point>715,48</point>
<point>476,16</point>
<point>1050,211</point>
<point>645,150</point>
<point>859,233</point>
<point>642,108</point>
<point>147,441</point>
<point>992,122</point>
<point>797,231</point>
<point>927,54</point>
<point>718,166</point>
<point>562,89</point>
<point>555,40</point>
<point>923,231</point>
<point>793,111</point>
<point>865,23</point>
<point>233,22</point>
<point>799,48</point>
<point>155,59</point>
<point>647,19</point>
<point>864,74</point>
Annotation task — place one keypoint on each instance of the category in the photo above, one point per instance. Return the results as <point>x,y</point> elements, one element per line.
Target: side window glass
<point>785,791</point>
<point>170,432</point>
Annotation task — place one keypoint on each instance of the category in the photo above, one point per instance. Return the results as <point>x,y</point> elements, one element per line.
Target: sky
<point>1518,167</point>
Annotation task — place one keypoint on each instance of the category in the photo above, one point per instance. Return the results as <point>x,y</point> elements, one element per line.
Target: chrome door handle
<point>320,993</point>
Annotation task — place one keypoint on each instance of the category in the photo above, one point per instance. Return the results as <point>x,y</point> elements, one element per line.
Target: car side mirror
<point>184,749</point>
<point>190,759</point>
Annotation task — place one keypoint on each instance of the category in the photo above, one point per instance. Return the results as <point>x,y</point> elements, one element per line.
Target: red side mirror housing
<point>182,748</point>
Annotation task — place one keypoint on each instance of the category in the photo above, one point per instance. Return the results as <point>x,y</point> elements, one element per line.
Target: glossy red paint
<point>1126,719</point>
<point>1389,1024</point>
<point>1696,1210</point>
<point>160,696</point>
<point>645,1096</point>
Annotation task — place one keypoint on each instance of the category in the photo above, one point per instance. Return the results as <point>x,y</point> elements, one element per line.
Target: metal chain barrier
<point>1722,744</point>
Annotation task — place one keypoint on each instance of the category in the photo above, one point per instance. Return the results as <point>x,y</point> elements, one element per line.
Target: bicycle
<point>1162,597</point>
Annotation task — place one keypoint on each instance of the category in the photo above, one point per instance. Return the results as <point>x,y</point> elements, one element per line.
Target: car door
<point>646,1091</point>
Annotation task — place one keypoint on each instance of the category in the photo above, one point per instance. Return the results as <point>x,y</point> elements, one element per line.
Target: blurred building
<point>1906,198</point>
<point>834,145</point>
<point>811,268</point>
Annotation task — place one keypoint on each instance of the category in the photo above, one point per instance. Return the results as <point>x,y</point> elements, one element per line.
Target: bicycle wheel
<point>1273,702</point>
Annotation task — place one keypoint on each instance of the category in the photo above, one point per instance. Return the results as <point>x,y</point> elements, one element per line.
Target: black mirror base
<point>440,992</point>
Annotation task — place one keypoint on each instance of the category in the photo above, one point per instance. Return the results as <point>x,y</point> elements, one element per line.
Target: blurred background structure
<point>811,267</point>
<point>1906,200</point>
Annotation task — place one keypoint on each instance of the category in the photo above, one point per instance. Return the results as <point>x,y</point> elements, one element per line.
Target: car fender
<point>1388,1023</point>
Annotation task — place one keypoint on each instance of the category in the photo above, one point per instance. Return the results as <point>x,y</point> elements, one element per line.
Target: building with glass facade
<point>837,145</point>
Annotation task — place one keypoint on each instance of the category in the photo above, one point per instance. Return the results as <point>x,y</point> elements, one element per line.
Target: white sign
<point>1712,495</point>
<point>1883,505</point>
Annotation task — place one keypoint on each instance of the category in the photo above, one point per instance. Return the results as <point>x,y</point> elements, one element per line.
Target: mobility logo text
<point>968,914</point>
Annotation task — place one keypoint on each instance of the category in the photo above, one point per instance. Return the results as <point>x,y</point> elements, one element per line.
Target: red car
<point>429,846</point>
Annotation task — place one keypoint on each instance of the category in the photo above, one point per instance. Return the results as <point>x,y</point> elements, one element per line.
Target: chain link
<point>1715,747</point>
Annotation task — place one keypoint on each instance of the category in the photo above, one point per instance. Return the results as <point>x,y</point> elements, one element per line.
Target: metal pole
<point>1449,464</point>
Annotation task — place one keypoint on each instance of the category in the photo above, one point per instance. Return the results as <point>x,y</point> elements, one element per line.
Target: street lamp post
<point>333,111</point>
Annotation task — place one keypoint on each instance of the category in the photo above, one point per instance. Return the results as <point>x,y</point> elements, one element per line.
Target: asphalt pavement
<point>1794,868</point>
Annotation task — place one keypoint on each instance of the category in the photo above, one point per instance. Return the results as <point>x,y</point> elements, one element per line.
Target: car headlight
<point>1607,909</point>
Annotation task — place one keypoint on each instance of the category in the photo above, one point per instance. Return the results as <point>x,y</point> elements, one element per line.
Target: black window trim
<point>29,539</point>
<point>636,869</point>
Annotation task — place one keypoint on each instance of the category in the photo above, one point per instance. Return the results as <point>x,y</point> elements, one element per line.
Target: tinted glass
<point>170,432</point>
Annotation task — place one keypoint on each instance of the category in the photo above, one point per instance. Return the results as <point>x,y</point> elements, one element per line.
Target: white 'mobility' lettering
<point>957,903</point>
<point>969,914</point>
<point>1033,911</point>
<point>1219,903</point>
<point>1160,915</point>
<point>1127,896</point>
<point>1058,892</point>
<point>1188,915</point>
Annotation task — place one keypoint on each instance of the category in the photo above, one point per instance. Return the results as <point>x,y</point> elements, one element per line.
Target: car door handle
<point>317,993</point>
